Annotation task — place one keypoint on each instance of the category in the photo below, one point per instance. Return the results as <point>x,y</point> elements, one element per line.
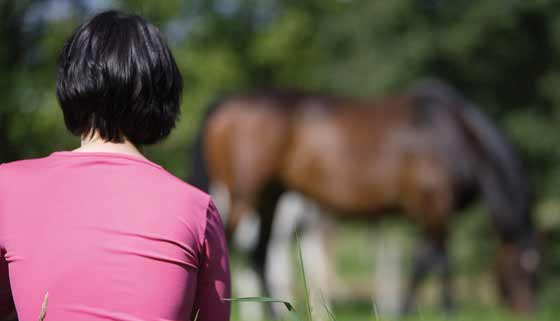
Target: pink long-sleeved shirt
<point>109,236</point>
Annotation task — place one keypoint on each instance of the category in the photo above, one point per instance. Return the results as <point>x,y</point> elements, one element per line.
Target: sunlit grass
<point>469,308</point>
<point>289,306</point>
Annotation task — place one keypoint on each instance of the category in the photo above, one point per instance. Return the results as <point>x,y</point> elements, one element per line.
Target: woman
<point>101,232</point>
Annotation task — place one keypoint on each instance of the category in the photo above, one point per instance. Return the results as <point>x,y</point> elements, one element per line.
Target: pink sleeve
<point>214,276</point>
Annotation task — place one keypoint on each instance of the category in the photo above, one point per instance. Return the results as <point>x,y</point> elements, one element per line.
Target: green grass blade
<point>288,305</point>
<point>327,308</point>
<point>44,307</point>
<point>302,268</point>
<point>375,312</point>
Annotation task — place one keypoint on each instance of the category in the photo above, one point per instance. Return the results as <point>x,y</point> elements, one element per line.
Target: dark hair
<point>116,75</point>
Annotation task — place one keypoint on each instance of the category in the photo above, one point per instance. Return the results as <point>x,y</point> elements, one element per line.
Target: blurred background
<point>501,54</point>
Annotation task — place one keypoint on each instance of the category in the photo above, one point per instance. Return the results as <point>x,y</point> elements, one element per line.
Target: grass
<point>473,304</point>
<point>292,311</point>
<point>43,313</point>
<point>303,275</point>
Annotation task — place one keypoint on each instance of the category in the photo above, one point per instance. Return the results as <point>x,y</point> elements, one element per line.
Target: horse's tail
<point>198,172</point>
<point>501,175</point>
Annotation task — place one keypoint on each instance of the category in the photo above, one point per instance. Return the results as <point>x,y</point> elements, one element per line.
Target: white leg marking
<point>247,232</point>
<point>279,267</point>
<point>316,261</point>
<point>388,274</point>
<point>247,284</point>
<point>220,195</point>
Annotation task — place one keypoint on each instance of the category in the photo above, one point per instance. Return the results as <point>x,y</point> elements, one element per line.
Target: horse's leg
<point>423,261</point>
<point>247,281</point>
<point>220,195</point>
<point>266,210</point>
<point>428,199</point>
<point>431,254</point>
<point>388,271</point>
<point>446,279</point>
<point>294,210</point>
<point>279,266</point>
<point>442,263</point>
<point>315,259</point>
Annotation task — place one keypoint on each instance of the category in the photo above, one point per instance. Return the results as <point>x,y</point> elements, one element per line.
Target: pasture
<point>472,249</point>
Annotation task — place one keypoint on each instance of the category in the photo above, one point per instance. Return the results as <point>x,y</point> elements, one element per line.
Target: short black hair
<point>115,74</point>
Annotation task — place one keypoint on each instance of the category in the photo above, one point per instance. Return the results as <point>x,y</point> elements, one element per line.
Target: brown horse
<point>427,152</point>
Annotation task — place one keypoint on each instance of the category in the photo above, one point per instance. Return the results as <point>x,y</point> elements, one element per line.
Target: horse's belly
<point>349,188</point>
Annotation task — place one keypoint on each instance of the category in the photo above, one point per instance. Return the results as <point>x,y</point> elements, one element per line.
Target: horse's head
<point>518,264</point>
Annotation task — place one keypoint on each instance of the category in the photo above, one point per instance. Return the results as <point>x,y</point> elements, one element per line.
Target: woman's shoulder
<point>198,206</point>
<point>181,191</point>
<point>184,187</point>
<point>28,165</point>
<point>23,163</point>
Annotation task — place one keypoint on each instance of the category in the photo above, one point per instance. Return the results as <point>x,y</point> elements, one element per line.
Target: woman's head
<point>117,77</point>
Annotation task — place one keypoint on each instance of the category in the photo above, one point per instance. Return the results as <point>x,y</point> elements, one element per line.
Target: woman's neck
<point>96,144</point>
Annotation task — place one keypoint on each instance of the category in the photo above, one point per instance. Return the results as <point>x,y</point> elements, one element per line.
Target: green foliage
<point>500,53</point>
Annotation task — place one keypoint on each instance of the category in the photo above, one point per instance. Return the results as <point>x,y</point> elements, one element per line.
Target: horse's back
<point>350,155</point>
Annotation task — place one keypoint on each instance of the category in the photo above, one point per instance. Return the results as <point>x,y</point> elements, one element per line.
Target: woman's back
<point>109,236</point>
